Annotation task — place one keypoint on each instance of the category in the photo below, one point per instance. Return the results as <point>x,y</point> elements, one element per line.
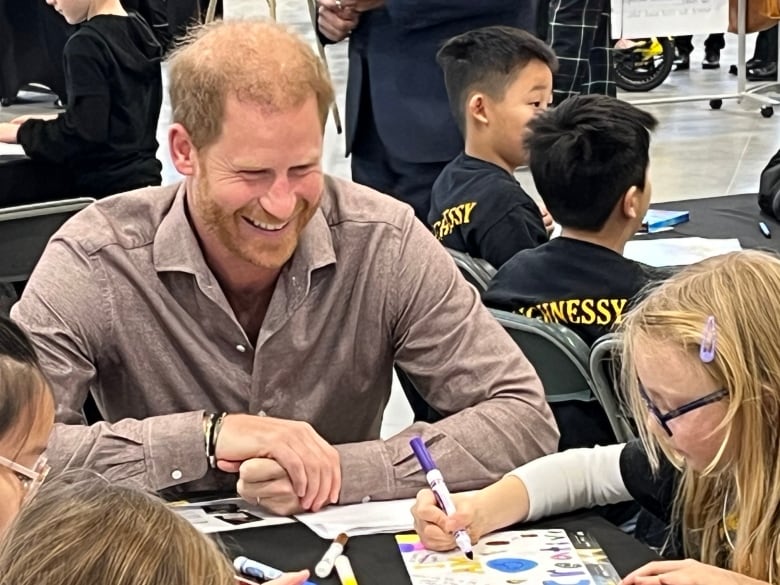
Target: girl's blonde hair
<point>742,292</point>
<point>93,532</point>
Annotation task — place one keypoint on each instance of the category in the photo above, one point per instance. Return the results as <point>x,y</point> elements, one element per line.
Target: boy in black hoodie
<point>498,78</point>
<point>106,136</point>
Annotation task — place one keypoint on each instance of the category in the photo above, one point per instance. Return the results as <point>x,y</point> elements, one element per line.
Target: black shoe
<point>711,60</point>
<point>766,72</point>
<point>682,62</point>
<point>751,64</point>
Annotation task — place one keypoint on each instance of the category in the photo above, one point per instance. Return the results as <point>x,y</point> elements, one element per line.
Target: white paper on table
<point>358,519</point>
<point>633,19</point>
<point>226,514</point>
<point>678,251</point>
<point>6,149</point>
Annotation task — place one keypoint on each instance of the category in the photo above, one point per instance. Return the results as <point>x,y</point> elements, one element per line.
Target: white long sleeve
<point>573,479</point>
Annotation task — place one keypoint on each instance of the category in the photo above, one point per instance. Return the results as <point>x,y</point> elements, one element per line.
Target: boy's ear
<point>475,108</point>
<point>632,200</point>
<point>183,153</point>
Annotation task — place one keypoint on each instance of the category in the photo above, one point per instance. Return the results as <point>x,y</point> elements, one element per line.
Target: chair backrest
<point>603,364</point>
<point>559,355</point>
<point>25,230</point>
<point>475,270</point>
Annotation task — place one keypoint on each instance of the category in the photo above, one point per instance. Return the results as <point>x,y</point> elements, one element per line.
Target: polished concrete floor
<point>696,152</point>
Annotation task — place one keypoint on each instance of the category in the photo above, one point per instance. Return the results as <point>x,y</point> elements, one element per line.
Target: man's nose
<point>280,199</point>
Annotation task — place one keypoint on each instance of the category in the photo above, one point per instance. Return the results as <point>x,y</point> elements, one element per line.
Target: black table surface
<point>731,216</point>
<point>376,560</point>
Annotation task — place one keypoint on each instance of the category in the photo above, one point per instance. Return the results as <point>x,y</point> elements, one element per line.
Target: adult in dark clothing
<point>579,33</point>
<point>589,158</point>
<point>399,128</point>
<point>498,78</point>
<point>106,136</point>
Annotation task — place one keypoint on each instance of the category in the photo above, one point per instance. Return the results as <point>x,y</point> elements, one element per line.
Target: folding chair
<point>25,230</point>
<point>559,355</point>
<point>476,271</point>
<point>602,365</point>
<point>560,358</point>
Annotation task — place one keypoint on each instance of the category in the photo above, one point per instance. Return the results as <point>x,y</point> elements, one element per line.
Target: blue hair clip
<point>709,340</point>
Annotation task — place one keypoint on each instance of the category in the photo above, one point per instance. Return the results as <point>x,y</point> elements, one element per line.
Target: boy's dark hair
<point>585,154</point>
<point>487,58</point>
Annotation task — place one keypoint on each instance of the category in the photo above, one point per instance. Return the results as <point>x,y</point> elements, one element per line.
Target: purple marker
<point>440,491</point>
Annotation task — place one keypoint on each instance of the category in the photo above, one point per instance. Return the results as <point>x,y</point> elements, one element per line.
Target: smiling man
<point>239,330</point>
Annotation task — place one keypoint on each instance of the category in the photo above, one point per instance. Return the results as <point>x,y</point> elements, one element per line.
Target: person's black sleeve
<point>83,127</point>
<point>655,491</point>
<point>519,228</point>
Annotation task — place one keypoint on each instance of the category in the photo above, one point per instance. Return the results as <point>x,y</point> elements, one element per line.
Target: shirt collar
<point>177,249</point>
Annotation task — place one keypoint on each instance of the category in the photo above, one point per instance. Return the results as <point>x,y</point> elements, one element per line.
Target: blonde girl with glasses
<point>701,373</point>
<point>26,419</point>
<point>94,533</point>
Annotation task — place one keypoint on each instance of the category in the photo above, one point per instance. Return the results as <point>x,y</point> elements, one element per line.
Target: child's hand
<point>688,572</point>
<point>436,529</point>
<point>290,579</point>
<point>549,224</point>
<point>23,119</point>
<point>8,132</point>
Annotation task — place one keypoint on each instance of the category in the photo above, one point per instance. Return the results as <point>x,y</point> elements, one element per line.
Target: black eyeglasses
<point>663,419</point>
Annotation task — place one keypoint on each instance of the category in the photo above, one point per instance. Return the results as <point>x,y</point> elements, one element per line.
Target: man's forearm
<point>471,448</point>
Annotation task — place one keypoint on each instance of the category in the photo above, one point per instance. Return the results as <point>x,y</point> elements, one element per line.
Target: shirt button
<point>176,474</point>
<point>366,500</point>
<point>241,348</point>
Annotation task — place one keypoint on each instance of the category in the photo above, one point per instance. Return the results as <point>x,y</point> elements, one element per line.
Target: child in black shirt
<point>589,158</point>
<point>106,136</point>
<point>498,78</point>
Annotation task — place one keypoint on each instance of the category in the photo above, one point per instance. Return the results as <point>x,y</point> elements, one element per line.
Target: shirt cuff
<point>366,473</point>
<point>174,449</point>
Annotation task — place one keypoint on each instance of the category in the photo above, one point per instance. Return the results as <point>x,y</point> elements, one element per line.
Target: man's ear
<point>475,108</point>
<point>183,153</point>
<point>632,200</point>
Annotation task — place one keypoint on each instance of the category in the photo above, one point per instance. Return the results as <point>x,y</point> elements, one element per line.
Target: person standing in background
<point>579,34</point>
<point>399,128</point>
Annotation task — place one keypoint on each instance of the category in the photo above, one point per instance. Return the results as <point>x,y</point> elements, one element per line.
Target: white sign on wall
<point>633,19</point>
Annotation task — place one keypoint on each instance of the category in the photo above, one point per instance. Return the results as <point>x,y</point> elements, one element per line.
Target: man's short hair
<point>585,154</point>
<point>487,59</point>
<point>256,61</point>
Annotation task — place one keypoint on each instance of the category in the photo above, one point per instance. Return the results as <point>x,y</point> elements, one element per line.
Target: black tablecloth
<point>376,559</point>
<point>732,216</point>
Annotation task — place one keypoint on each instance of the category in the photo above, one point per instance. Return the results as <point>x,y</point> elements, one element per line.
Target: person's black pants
<point>766,46</point>
<point>714,42</point>
<point>375,167</point>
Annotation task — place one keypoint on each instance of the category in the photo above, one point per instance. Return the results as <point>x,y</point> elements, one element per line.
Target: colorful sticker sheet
<point>530,557</point>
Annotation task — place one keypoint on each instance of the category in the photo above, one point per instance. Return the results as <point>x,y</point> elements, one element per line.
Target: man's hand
<point>688,572</point>
<point>335,22</point>
<point>355,5</point>
<point>264,482</point>
<point>312,466</point>
<point>8,132</point>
